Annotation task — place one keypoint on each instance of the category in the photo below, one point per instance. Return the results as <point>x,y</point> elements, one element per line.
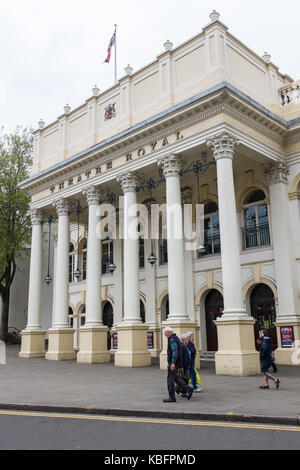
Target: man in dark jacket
<point>174,364</point>
<point>266,359</point>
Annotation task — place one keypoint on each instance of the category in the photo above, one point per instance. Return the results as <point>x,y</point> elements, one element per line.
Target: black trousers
<point>173,378</point>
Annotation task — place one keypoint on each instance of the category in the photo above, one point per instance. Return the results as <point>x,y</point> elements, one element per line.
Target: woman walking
<point>266,359</point>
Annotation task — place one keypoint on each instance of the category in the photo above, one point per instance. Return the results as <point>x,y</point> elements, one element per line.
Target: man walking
<point>192,348</point>
<point>174,364</point>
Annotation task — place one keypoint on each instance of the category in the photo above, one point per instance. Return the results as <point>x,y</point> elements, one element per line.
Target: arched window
<point>71,262</point>
<point>82,316</point>
<point>211,229</point>
<point>107,255</point>
<point>142,311</point>
<point>84,258</point>
<point>71,317</point>
<point>256,221</point>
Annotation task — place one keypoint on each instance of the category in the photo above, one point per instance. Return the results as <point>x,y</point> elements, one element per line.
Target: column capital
<point>92,194</point>
<point>129,181</point>
<point>35,216</point>
<point>277,173</point>
<point>223,145</point>
<point>171,165</point>
<point>62,206</point>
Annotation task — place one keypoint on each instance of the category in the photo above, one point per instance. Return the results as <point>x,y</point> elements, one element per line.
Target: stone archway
<point>213,309</point>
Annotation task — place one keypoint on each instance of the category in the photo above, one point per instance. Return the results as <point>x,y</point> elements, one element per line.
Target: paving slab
<point>68,385</point>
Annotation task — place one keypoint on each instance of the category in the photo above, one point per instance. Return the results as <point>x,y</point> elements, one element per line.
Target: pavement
<point>67,386</point>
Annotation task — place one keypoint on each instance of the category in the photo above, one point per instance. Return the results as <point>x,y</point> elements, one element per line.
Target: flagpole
<point>116,56</point>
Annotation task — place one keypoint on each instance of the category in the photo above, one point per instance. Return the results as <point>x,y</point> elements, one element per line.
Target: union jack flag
<point>111,43</point>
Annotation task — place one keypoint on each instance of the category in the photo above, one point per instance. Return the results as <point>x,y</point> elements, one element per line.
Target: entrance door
<point>108,320</point>
<point>263,310</point>
<point>213,309</point>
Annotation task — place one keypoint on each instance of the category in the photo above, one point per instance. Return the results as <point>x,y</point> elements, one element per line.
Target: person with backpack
<point>174,355</point>
<point>266,359</point>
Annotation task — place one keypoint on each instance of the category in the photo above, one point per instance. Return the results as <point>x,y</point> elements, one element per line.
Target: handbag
<point>198,380</point>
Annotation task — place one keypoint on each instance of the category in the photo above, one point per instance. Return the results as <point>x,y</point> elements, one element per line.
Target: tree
<point>15,226</point>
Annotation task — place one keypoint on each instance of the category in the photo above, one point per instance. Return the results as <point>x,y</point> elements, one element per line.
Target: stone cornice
<point>222,98</point>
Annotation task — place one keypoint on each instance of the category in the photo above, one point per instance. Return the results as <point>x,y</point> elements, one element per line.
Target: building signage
<point>287,337</point>
<point>139,152</point>
<point>115,340</point>
<point>150,340</point>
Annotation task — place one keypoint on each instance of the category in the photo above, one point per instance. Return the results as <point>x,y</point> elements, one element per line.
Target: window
<point>256,221</point>
<point>211,229</point>
<point>82,316</point>
<point>107,255</point>
<point>84,258</point>
<point>71,262</point>
<point>71,317</point>
<point>141,252</point>
<point>163,251</point>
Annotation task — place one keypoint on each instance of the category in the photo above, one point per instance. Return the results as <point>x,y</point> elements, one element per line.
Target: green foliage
<point>15,162</point>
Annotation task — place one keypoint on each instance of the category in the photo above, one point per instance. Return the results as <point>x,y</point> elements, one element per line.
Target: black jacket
<point>266,351</point>
<point>186,358</point>
<point>193,350</point>
<point>178,363</point>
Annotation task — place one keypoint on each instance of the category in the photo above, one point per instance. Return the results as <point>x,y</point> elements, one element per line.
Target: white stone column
<point>93,335</point>
<point>132,333</point>
<point>288,314</point>
<point>33,337</point>
<point>60,335</point>
<point>236,354</point>
<point>178,318</point>
<point>55,239</point>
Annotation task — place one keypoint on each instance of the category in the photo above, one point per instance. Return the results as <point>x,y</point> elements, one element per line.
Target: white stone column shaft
<point>61,278</point>
<point>285,265</point>
<point>131,252</point>
<point>176,266</point>
<point>93,275</point>
<point>223,149</point>
<point>35,276</point>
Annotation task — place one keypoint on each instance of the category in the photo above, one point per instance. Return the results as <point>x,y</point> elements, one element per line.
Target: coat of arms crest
<point>110,111</point>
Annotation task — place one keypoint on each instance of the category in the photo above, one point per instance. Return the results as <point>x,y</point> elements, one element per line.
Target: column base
<point>179,328</point>
<point>32,344</point>
<point>236,354</point>
<point>93,346</point>
<point>288,356</point>
<point>60,345</point>
<point>132,346</point>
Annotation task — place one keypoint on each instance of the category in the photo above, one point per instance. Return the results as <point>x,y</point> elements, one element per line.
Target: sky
<point>52,51</point>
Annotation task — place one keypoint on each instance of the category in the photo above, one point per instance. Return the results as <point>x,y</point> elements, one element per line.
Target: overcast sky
<point>52,51</point>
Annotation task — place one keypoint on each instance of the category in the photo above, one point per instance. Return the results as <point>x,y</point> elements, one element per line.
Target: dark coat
<point>193,350</point>
<point>178,363</point>
<point>186,361</point>
<point>266,352</point>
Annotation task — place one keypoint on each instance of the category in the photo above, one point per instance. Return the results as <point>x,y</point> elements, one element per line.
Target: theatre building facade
<point>208,122</point>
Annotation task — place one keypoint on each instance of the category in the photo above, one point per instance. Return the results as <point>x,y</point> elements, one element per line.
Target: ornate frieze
<point>62,206</point>
<point>277,173</point>
<point>129,181</point>
<point>171,165</point>
<point>223,145</point>
<point>35,216</point>
<point>92,195</point>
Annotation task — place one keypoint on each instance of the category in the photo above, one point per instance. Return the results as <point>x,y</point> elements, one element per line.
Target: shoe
<point>168,400</point>
<point>190,393</point>
<point>277,384</point>
<point>198,390</point>
<point>264,387</point>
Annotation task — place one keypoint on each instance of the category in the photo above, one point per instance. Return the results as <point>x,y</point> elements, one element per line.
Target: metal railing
<point>258,235</point>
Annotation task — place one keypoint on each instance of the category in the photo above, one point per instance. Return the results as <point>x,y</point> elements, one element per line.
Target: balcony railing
<point>290,93</point>
<point>256,236</point>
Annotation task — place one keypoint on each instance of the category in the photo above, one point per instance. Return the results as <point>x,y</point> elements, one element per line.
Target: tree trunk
<point>5,311</point>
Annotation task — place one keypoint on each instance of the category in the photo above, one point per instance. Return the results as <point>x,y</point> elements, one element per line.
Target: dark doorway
<point>142,311</point>
<point>108,320</point>
<point>264,311</point>
<point>213,309</point>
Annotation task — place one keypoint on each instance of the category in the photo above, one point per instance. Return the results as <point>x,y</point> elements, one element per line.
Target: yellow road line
<point>273,427</point>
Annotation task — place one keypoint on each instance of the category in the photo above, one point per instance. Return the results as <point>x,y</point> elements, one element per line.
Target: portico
<point>241,146</point>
